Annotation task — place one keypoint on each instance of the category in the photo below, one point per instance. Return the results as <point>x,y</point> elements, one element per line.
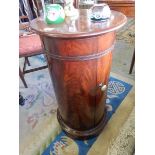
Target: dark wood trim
<point>132,62</point>
<point>82,57</point>
<point>22,78</point>
<point>82,134</point>
<point>35,69</point>
<point>24,65</point>
<point>27,60</point>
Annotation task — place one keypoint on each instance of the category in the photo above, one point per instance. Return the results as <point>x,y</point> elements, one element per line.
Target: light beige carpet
<point>125,142</point>
<point>38,124</point>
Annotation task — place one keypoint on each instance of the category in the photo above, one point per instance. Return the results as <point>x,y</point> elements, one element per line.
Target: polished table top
<point>80,27</point>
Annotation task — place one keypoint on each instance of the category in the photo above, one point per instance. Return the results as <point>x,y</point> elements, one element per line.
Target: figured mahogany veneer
<point>125,6</point>
<point>79,55</point>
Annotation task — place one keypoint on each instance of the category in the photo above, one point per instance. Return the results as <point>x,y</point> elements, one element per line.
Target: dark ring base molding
<point>82,134</point>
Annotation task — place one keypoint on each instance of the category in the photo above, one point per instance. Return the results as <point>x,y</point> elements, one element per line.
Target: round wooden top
<point>80,27</point>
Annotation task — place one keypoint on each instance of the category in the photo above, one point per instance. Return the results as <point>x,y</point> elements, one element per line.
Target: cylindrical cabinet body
<point>79,65</point>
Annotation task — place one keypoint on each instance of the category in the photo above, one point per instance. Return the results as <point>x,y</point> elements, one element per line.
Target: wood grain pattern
<point>125,6</point>
<point>78,63</point>
<point>82,27</point>
<point>81,102</point>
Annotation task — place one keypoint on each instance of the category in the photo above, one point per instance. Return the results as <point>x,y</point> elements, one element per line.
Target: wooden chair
<point>29,42</point>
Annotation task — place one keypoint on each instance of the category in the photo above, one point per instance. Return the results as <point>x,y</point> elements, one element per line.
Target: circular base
<point>81,134</point>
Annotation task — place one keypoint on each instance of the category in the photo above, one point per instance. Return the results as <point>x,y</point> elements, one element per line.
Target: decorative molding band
<point>82,134</point>
<point>80,58</point>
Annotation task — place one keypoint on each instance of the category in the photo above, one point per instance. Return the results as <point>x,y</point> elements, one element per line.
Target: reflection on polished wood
<point>80,27</point>
<point>125,6</point>
<point>79,55</point>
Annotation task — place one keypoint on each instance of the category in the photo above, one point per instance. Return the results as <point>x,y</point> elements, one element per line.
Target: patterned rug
<point>63,145</point>
<point>39,129</point>
<point>127,32</point>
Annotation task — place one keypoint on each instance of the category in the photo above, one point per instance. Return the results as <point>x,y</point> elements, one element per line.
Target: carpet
<point>63,145</point>
<point>37,117</point>
<point>127,32</point>
<point>124,144</point>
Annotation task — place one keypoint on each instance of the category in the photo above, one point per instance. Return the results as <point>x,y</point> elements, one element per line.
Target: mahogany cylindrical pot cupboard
<point>79,56</point>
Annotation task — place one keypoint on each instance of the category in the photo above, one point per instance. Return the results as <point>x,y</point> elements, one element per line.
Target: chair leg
<point>132,62</point>
<point>27,60</point>
<point>22,78</point>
